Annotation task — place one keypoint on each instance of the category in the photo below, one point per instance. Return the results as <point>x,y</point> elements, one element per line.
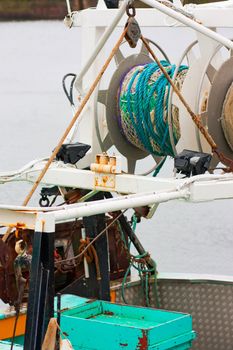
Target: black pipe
<point>58,321</point>
<point>126,227</point>
<point>41,290</point>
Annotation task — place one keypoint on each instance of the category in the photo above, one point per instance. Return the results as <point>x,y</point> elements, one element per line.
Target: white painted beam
<point>11,217</point>
<point>196,189</point>
<point>189,23</point>
<point>148,17</point>
<point>211,190</point>
<point>202,187</point>
<point>118,203</point>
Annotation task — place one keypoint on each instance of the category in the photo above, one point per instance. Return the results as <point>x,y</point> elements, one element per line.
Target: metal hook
<point>44,201</point>
<point>128,8</point>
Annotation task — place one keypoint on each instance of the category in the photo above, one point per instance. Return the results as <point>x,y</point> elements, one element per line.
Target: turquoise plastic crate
<point>6,345</point>
<point>99,325</point>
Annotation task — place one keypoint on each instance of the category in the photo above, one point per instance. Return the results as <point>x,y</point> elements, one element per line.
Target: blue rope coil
<point>143,104</point>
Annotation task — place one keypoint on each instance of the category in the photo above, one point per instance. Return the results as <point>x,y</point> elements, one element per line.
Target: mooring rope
<point>143,104</point>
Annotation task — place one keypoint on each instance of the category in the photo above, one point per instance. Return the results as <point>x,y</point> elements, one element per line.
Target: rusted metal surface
<point>105,167</point>
<point>107,164</point>
<point>67,243</point>
<point>143,341</point>
<point>105,181</point>
<point>18,226</point>
<point>119,260</point>
<point>17,219</point>
<point>8,290</point>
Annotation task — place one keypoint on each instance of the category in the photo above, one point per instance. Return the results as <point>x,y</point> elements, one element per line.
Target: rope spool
<point>143,104</point>
<point>227,117</point>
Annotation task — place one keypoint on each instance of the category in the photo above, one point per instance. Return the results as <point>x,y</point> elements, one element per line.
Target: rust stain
<point>65,309</point>
<point>18,225</point>
<point>110,313</point>
<point>96,182</point>
<point>26,211</point>
<point>143,341</point>
<point>105,179</point>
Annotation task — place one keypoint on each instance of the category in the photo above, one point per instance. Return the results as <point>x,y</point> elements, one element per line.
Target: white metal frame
<point>97,26</point>
<point>147,191</point>
<point>140,190</point>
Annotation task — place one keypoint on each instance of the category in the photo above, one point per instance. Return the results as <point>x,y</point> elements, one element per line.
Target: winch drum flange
<point>221,84</point>
<point>108,98</point>
<point>123,146</point>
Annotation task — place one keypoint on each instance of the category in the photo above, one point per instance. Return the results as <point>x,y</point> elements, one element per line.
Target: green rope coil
<point>143,104</point>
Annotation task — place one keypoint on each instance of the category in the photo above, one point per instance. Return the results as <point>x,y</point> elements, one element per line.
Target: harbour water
<point>182,237</point>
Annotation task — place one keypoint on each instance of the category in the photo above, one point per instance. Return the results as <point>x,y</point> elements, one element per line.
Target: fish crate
<point>6,345</point>
<point>100,325</point>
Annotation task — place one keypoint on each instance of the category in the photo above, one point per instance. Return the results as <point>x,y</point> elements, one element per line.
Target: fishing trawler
<point>66,269</point>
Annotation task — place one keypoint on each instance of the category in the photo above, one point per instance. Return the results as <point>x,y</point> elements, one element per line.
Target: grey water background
<point>182,237</point>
